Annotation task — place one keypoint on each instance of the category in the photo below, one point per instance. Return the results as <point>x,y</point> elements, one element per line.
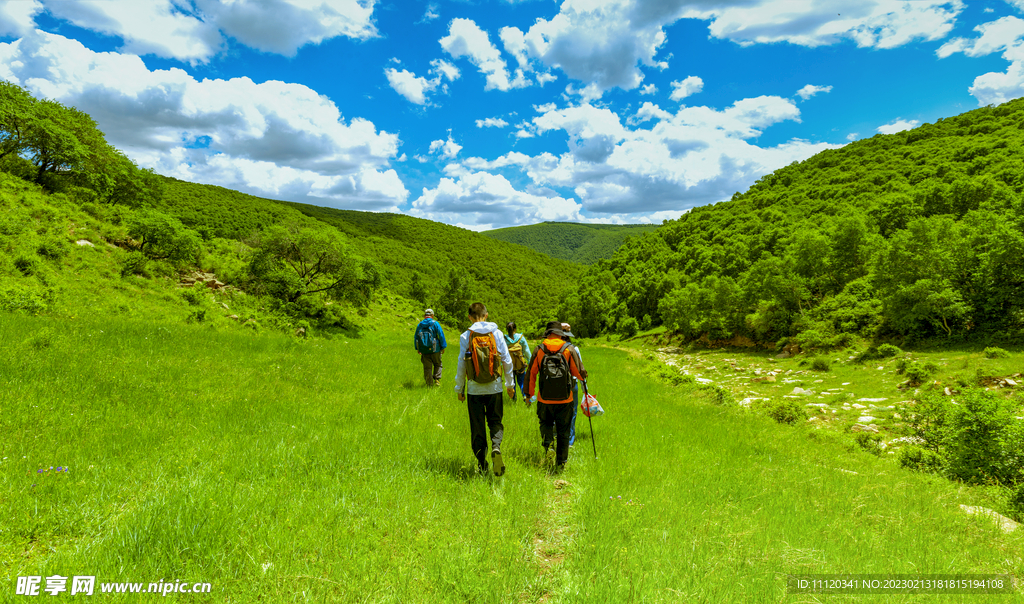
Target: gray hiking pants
<point>431,368</point>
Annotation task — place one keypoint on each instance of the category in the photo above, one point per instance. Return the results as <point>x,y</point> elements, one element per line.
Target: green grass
<point>280,469</point>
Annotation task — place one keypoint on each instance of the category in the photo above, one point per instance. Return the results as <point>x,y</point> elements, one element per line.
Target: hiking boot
<point>499,465</point>
<point>549,455</point>
<point>559,468</point>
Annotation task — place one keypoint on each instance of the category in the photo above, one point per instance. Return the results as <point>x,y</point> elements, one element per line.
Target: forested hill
<point>910,235</point>
<point>436,264</point>
<point>580,243</point>
<point>284,264</point>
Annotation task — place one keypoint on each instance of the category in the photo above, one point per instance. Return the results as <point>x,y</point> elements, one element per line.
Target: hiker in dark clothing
<point>430,344</point>
<point>483,363</point>
<point>554,364</point>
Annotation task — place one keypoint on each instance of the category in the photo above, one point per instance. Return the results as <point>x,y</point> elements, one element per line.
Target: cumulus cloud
<point>649,89</point>
<point>415,88</point>
<point>683,89</point>
<point>810,90</point>
<point>273,139</point>
<point>18,18</point>
<point>466,39</point>
<point>694,156</point>
<point>447,149</point>
<point>481,201</point>
<point>868,23</point>
<point>1004,35</point>
<point>491,122</point>
<point>196,30</point>
<point>898,126</point>
<point>608,43</point>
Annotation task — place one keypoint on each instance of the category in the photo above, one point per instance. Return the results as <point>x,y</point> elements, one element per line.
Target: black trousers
<point>556,420</point>
<point>485,412</point>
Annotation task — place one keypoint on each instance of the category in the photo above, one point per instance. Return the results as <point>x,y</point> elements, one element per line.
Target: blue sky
<point>496,113</point>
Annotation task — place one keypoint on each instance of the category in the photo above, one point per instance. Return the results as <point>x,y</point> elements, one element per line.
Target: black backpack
<point>555,377</point>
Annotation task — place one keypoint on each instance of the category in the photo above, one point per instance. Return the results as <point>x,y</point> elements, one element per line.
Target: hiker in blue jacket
<point>520,356</point>
<point>429,342</point>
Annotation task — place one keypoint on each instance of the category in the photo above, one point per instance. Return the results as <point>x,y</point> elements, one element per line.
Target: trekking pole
<point>590,420</point>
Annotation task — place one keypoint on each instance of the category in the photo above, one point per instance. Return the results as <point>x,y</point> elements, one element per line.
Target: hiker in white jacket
<point>483,363</point>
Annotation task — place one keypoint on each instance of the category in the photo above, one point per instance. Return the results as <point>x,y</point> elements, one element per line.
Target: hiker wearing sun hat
<point>554,364</point>
<point>430,344</point>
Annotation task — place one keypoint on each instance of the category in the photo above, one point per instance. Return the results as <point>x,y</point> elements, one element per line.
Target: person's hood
<point>427,320</point>
<point>484,327</point>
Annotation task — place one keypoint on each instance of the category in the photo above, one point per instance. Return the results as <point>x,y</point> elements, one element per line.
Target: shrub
<point>30,300</point>
<point>886,351</point>
<point>26,265</point>
<point>1016,502</point>
<point>628,327</point>
<point>917,373</point>
<point>928,418</point>
<point>194,296</point>
<point>134,264</point>
<point>984,443</point>
<point>786,411</point>
<point>994,352</point>
<point>821,364</point>
<point>901,365</point>
<point>52,248</point>
<point>872,443</point>
<point>920,459</point>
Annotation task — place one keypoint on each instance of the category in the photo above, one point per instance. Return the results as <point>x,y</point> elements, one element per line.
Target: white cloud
<point>409,85</point>
<point>491,122</point>
<point>810,90</point>
<point>466,39</point>
<point>695,156</point>
<point>606,43</point>
<point>273,139</point>
<point>415,88</point>
<point>683,89</point>
<point>996,36</point>
<point>195,30</point>
<point>649,89</point>
<point>898,126</point>
<point>18,18</point>
<point>447,149</point>
<point>868,23</point>
<point>430,14</point>
<point>851,136</point>
<point>481,201</point>
<point>1006,35</point>
<point>284,26</point>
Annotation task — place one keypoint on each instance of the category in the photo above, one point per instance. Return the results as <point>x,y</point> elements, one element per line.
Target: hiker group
<point>491,361</point>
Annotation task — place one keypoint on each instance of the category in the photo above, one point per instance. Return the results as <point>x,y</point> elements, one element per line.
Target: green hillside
<point>572,241</point>
<point>909,236</point>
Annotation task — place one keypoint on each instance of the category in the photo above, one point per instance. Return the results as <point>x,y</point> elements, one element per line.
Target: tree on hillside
<point>455,298</point>
<point>293,261</point>
<point>61,140</point>
<point>163,237</point>
<point>16,113</point>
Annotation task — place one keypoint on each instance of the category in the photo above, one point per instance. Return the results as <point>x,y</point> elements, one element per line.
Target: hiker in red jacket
<point>554,365</point>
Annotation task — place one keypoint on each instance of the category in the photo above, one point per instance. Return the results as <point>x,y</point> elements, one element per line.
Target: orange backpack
<point>482,358</point>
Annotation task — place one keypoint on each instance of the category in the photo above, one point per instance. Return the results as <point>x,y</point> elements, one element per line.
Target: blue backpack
<point>426,341</point>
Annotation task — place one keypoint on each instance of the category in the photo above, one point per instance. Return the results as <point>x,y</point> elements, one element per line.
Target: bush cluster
<point>975,438</point>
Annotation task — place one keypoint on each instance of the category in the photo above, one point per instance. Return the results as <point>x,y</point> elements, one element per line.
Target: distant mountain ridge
<point>572,241</point>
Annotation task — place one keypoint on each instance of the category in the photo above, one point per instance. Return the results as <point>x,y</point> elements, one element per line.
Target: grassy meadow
<point>287,470</point>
